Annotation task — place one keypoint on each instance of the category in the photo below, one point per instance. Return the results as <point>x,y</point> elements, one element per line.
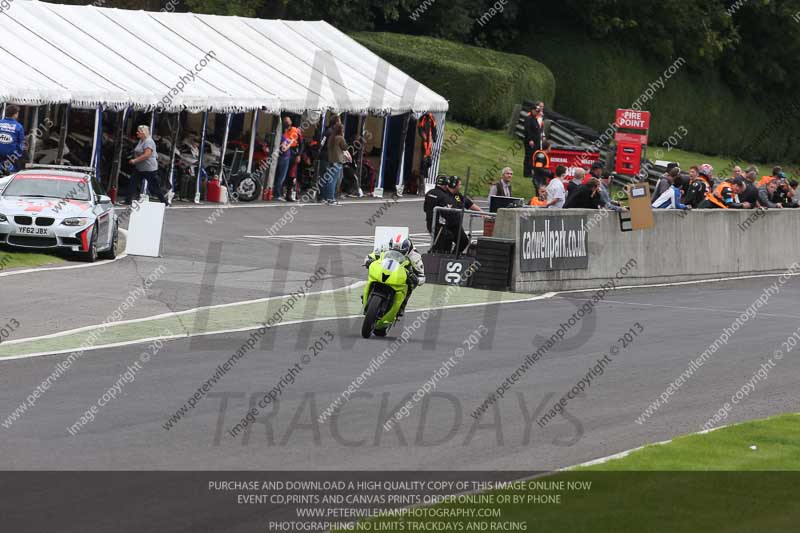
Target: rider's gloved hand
<point>368,261</point>
<point>413,279</point>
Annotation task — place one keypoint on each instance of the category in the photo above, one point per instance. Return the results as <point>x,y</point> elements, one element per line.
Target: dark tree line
<point>753,44</point>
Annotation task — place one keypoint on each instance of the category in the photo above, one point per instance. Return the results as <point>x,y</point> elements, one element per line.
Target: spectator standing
<point>725,195</point>
<point>671,198</point>
<point>577,180</point>
<point>541,162</point>
<point>776,171</point>
<point>145,162</point>
<point>586,197</point>
<point>541,199</point>
<point>428,131</point>
<point>327,136</point>
<point>337,147</point>
<point>534,127</point>
<point>460,200</point>
<point>555,191</point>
<point>284,160</point>
<point>693,173</point>
<point>439,196</point>
<point>605,197</point>
<point>784,194</point>
<point>295,136</point>
<point>700,186</point>
<point>766,195</point>
<point>503,187</point>
<point>750,193</point>
<point>12,140</point>
<point>666,181</point>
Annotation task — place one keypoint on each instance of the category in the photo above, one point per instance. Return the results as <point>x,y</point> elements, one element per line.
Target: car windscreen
<point>49,187</point>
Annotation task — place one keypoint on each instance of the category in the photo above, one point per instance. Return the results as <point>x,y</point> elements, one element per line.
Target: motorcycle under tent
<point>105,59</point>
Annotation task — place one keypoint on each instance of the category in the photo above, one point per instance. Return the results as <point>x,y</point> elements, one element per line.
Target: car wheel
<point>91,255</point>
<point>111,253</point>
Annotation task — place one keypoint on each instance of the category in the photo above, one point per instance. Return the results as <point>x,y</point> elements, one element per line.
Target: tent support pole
<point>400,170</point>
<point>97,141</point>
<point>253,133</point>
<point>200,169</point>
<point>222,178</point>
<point>362,124</point>
<point>116,164</point>
<point>383,155</point>
<point>34,136</point>
<point>62,138</point>
<point>172,155</point>
<point>94,159</point>
<point>269,180</point>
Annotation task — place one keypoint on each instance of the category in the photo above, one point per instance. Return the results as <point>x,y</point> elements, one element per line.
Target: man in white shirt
<point>555,189</point>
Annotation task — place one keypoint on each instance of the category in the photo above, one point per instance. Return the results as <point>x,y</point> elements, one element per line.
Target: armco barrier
<point>700,244</point>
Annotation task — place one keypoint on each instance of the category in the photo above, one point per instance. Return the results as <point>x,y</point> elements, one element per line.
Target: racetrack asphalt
<point>206,264</point>
<point>678,324</point>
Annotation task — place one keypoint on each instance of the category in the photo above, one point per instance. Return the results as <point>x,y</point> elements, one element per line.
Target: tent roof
<point>89,56</point>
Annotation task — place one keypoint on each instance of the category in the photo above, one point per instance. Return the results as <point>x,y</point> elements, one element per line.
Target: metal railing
<point>440,224</point>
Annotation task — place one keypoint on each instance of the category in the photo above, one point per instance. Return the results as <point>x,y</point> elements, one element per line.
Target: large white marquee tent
<point>112,59</point>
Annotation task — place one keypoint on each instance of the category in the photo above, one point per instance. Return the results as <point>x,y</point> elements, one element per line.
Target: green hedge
<point>595,78</point>
<point>482,85</point>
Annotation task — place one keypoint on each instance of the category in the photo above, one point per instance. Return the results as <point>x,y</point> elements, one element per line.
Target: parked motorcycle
<point>384,293</point>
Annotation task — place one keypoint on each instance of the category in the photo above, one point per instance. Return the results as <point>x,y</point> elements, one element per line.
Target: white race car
<point>52,209</point>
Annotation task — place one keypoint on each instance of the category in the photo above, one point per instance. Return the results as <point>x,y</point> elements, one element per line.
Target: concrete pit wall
<point>700,244</point>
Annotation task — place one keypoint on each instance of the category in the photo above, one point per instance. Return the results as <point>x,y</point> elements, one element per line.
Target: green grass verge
<point>341,303</point>
<point>481,85</point>
<point>712,483</point>
<point>777,442</point>
<point>486,153</point>
<point>9,259</point>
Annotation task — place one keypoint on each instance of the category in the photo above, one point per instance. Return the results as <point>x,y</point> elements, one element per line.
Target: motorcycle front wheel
<point>371,316</point>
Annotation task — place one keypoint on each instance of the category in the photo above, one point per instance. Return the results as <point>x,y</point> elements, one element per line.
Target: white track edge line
<point>172,314</point>
<point>251,328</point>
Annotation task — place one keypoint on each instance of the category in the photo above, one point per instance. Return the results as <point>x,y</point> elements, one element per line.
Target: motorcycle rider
<point>415,269</point>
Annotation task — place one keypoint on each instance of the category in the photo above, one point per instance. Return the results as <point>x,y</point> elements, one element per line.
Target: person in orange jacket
<point>541,199</point>
<point>726,196</point>
<point>429,133</point>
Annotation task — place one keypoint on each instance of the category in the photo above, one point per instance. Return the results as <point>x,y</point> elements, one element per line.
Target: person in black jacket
<point>534,124</point>
<point>750,193</point>
<point>702,184</point>
<point>586,197</point>
<point>439,196</point>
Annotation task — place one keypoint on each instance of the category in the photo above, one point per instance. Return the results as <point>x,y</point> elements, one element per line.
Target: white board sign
<point>385,233</point>
<point>145,229</point>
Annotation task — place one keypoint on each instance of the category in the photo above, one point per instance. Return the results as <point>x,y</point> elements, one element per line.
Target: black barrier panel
<point>553,243</point>
<point>388,501</point>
